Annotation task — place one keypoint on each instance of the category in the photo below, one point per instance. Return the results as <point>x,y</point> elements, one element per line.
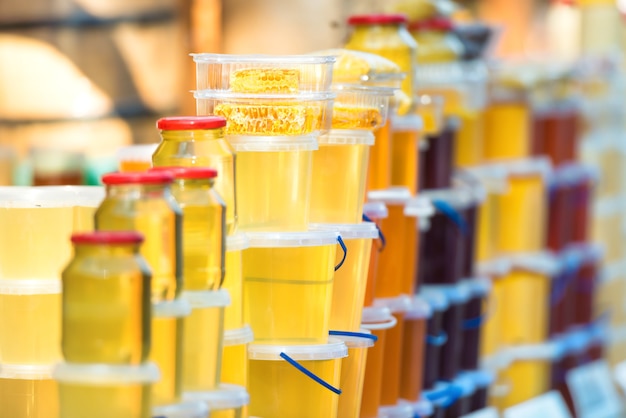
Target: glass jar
<point>437,42</point>
<point>106,300</point>
<point>386,35</point>
<point>204,226</point>
<point>143,202</point>
<point>199,141</point>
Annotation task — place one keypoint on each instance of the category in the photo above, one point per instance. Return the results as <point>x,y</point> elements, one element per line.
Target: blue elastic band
<point>345,253</point>
<point>473,323</point>
<point>309,374</point>
<point>353,334</point>
<point>437,340</point>
<point>383,241</point>
<point>452,214</point>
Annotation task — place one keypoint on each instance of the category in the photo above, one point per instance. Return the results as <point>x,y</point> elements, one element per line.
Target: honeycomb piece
<point>353,117</point>
<point>355,66</point>
<point>265,80</point>
<point>284,119</point>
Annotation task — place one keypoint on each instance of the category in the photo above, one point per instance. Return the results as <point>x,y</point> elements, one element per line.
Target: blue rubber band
<point>437,340</point>
<point>309,374</point>
<point>474,323</point>
<point>353,334</point>
<point>381,237</point>
<point>345,253</point>
<point>452,214</point>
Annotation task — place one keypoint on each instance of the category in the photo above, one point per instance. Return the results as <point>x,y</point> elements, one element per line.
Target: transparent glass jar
<point>143,202</point>
<point>199,141</point>
<point>204,226</point>
<point>106,300</point>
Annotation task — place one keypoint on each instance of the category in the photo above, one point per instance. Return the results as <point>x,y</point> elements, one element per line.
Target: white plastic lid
<point>50,196</point>
<point>409,122</point>
<point>291,239</point>
<point>356,341</point>
<point>226,396</point>
<point>494,268</point>
<point>105,374</point>
<point>479,287</point>
<point>274,60</point>
<point>586,252</point>
<point>460,197</point>
<point>363,230</point>
<point>572,174</point>
<point>375,210</point>
<point>391,196</point>
<point>239,336</point>
<point>466,384</point>
<point>178,308</point>
<point>137,152</point>
<point>454,293</point>
<point>22,287</point>
<point>264,98</point>
<point>347,137</point>
<point>545,351</point>
<point>207,298</point>
<point>482,378</point>
<point>237,242</point>
<point>26,372</point>
<point>527,167</point>
<point>422,408</point>
<point>397,411</point>
<point>188,409</point>
<point>544,263</point>
<point>420,309</point>
<point>436,298</point>
<point>493,177</point>
<point>375,315</point>
<point>399,304</point>
<point>419,207</point>
<point>333,350</point>
<point>610,206</point>
<point>273,143</point>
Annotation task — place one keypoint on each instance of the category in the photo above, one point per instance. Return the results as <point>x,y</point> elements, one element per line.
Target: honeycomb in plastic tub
<point>353,117</point>
<point>265,80</point>
<point>247,119</point>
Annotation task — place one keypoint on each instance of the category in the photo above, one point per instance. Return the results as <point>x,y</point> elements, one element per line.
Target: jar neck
<point>391,28</point>
<point>111,250</point>
<point>193,135</point>
<point>137,190</point>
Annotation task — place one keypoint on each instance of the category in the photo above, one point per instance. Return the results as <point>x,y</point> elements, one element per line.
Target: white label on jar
<point>484,413</point>
<point>593,391</point>
<point>550,405</point>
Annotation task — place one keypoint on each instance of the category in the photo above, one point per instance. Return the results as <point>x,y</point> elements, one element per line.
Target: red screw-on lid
<point>141,177</point>
<point>383,19</point>
<point>188,123</point>
<point>436,23</point>
<point>108,237</point>
<point>188,172</point>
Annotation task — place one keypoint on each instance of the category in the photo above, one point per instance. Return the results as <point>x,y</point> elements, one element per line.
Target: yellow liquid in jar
<point>233,283</point>
<point>167,353</point>
<point>379,171</point>
<point>202,349</point>
<point>83,218</point>
<point>404,159</point>
<point>235,365</point>
<point>104,401</point>
<point>228,413</point>
<point>527,379</point>
<point>507,131</point>
<point>31,326</point>
<point>491,334</point>
<point>487,233</point>
<point>352,379</point>
<point>28,398</point>
<point>40,234</point>
<point>370,400</point>
<point>469,141</point>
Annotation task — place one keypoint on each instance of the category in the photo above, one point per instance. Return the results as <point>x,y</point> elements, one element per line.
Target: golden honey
<point>265,80</point>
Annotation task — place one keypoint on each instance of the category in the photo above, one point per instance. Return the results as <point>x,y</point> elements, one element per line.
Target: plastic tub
<point>491,335</point>
<point>351,279</point>
<point>397,262</point>
<point>463,404</point>
<point>167,350</point>
<point>555,133</point>
<point>436,336</point>
<point>414,349</point>
<point>353,371</point>
<point>379,167</point>
<point>30,312</point>
<point>203,339</point>
<point>437,157</point>
<point>443,396</point>
<point>405,143</point>
<point>268,114</point>
<point>88,390</point>
<point>182,410</point>
<point>507,129</point>
<point>562,292</point>
<point>483,379</point>
<point>587,281</point>
<point>235,356</point>
<point>307,378</point>
<point>135,157</point>
<point>374,212</point>
<point>273,182</point>
<point>452,319</point>
<point>473,320</point>
<point>286,74</point>
<point>360,107</point>
<point>379,321</point>
<point>28,392</point>
<point>233,280</point>
<point>226,401</point>
<point>288,285</point>
<point>338,176</point>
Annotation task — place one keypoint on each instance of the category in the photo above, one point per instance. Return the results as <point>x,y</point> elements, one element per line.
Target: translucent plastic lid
<point>419,207</point>
<point>400,304</point>
<point>479,287</point>
<point>585,252</point>
<point>178,308</point>
<point>493,177</point>
<point>226,396</point>
<point>460,197</point>
<point>375,210</point>
<point>333,350</point>
<point>139,152</point>
<point>545,351</point>
<point>397,411</point>
<point>277,98</point>
<point>207,298</point>
<point>455,294</point>
<point>237,242</point>
<point>50,196</point>
<point>358,66</point>
<point>409,122</point>
<point>272,60</point>
<point>375,315</point>
<point>420,309</point>
<point>20,287</point>
<point>436,298</point>
<point>238,336</point>
<point>422,408</point>
<point>537,166</point>
<point>347,137</point>
<point>188,409</point>
<point>273,143</point>
<point>573,174</point>
<point>483,378</point>
<point>291,239</point>
<point>495,268</point>
<point>26,372</point>
<point>361,339</point>
<point>104,374</point>
<point>466,384</point>
<point>391,196</point>
<point>364,230</point>
<point>544,263</point>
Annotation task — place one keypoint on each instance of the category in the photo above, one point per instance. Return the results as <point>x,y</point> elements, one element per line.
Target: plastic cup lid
<point>375,210</point>
<point>291,239</point>
<point>422,408</point>
<point>396,411</point>
<point>460,197</point>
<point>26,372</point>
<point>544,263</point>
<point>356,341</point>
<point>207,298</point>
<point>436,298</point>
<point>493,177</point>
<point>22,287</point>
<point>189,409</point>
<point>466,383</point>
<point>538,166</point>
<point>254,59</point>
<point>400,304</point>
<point>237,242</point>
<point>178,308</point>
<point>376,315</point>
<point>138,152</point>
<point>419,207</point>
<point>420,309</point>
<point>333,350</point>
<point>238,336</point>
<point>347,137</point>
<point>495,268</point>
<point>483,378</point>
<point>573,174</point>
<point>391,196</point>
<point>545,351</point>
<point>455,294</point>
<point>479,287</point>
<point>273,143</point>
<point>50,196</point>
<point>363,230</point>
<point>226,396</point>
<point>408,122</point>
<point>105,374</point>
<point>585,252</point>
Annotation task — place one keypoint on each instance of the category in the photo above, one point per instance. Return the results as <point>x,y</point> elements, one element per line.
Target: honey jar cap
<point>144,177</point>
<point>188,123</point>
<point>108,237</point>
<point>188,173</point>
<point>378,19</point>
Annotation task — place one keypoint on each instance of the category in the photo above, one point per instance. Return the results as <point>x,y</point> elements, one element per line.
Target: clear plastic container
<point>437,156</point>
<point>351,279</point>
<point>274,182</point>
<point>491,341</point>
<point>405,138</point>
<point>35,338</point>
<point>203,340</point>
<point>379,167</point>
<point>414,349</point>
<point>253,74</point>
<point>288,285</point>
<point>227,401</point>
<point>436,336</point>
<point>360,107</point>
<point>88,390</point>
<point>167,350</point>
<point>375,212</point>
<point>273,371</point>
<point>235,356</point>
<point>135,157</point>
<point>357,67</point>
<point>28,392</point>
<point>269,114</point>
<point>233,280</point>
<point>338,177</point>
<point>473,319</point>
<point>182,410</point>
